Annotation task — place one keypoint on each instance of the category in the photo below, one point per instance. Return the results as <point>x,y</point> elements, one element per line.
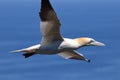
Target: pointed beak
<point>96,43</point>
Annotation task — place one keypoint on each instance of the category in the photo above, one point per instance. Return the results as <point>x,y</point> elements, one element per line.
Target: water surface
<point>19,28</point>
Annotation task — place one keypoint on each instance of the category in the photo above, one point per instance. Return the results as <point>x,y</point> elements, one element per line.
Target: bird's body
<point>53,48</point>
<point>52,41</point>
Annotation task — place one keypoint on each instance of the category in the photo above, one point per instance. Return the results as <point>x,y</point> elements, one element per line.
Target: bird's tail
<point>21,50</point>
<point>27,53</point>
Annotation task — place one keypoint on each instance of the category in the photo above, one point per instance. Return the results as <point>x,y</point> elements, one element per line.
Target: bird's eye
<point>90,41</point>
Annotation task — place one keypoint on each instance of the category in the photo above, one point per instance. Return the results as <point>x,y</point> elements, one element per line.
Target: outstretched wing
<point>73,55</point>
<point>50,24</point>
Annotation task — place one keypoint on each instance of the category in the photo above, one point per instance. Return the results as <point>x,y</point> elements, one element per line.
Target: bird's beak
<point>96,43</point>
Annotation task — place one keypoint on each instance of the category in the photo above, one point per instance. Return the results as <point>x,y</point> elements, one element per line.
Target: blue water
<point>19,28</point>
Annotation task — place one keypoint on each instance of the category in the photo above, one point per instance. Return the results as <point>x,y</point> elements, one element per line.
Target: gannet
<point>53,42</point>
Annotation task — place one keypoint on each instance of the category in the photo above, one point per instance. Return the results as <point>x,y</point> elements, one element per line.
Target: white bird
<point>52,41</point>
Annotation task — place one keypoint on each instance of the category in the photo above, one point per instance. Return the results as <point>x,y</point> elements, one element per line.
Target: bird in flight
<point>52,41</point>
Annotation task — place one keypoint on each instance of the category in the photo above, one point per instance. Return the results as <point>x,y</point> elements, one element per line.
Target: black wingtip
<point>45,8</point>
<point>26,55</point>
<point>88,60</point>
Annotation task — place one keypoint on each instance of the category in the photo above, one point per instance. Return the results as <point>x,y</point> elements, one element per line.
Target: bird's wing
<point>73,55</point>
<point>50,24</point>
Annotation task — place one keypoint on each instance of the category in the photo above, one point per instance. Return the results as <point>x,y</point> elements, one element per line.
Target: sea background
<point>19,28</point>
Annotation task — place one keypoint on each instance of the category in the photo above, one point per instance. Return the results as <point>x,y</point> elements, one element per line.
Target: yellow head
<point>88,42</point>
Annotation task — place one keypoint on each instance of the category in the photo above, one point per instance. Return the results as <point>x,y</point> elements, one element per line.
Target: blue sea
<point>19,28</point>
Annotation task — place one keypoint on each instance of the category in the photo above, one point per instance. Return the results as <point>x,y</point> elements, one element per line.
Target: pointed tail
<point>21,50</point>
<point>26,55</point>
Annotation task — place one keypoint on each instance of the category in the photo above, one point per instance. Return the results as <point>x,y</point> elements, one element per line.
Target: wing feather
<point>50,24</point>
<point>73,55</point>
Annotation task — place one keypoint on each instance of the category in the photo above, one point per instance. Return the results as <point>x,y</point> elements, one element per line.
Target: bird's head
<point>88,42</point>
